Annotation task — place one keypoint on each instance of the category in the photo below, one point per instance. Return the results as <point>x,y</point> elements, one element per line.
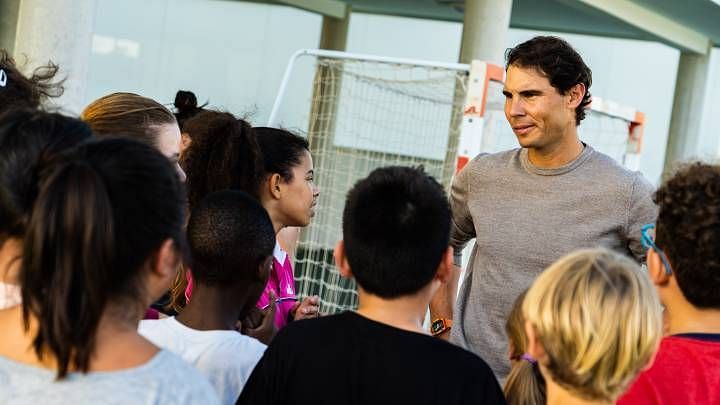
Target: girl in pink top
<point>288,193</point>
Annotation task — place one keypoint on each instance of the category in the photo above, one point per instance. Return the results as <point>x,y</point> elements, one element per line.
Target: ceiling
<point>666,21</point>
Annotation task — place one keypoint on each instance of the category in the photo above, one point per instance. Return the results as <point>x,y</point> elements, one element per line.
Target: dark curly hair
<point>19,91</point>
<point>224,154</point>
<point>688,230</point>
<point>558,61</point>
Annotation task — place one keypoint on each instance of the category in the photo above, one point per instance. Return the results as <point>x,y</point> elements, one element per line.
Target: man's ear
<point>341,260</point>
<point>576,93</point>
<point>535,348</point>
<point>656,270</point>
<point>445,267</point>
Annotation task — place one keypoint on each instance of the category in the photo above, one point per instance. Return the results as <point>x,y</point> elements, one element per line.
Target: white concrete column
<point>334,32</point>
<point>485,27</point>
<point>8,23</point>
<point>684,141</point>
<point>60,31</point>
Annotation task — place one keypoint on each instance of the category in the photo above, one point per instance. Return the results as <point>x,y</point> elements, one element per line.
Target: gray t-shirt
<point>525,218</point>
<point>165,379</point>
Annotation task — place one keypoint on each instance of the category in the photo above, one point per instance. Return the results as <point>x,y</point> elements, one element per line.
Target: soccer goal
<point>361,112</point>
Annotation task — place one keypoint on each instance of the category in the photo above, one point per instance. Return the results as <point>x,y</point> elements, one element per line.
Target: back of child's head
<point>396,229</point>
<point>20,91</point>
<point>130,115</point>
<point>223,154</point>
<point>282,150</point>
<point>524,384</point>
<point>29,139</point>
<point>101,217</point>
<point>688,231</point>
<point>598,319</point>
<point>230,235</point>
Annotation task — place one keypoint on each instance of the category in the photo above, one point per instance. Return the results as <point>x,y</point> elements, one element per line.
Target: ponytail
<point>67,258</point>
<point>525,384</point>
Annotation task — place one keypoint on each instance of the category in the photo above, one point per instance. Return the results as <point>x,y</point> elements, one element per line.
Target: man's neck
<point>557,155</point>
<point>683,317</point>
<point>556,395</point>
<point>10,256</point>
<point>406,312</point>
<point>213,308</point>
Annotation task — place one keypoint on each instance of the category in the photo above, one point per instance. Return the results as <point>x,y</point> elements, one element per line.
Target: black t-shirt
<point>349,359</point>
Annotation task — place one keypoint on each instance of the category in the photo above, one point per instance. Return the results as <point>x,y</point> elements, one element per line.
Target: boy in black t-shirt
<point>396,227</point>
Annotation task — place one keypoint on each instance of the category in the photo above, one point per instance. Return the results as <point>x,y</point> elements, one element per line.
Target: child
<point>396,228</point>
<point>684,264</point>
<point>593,322</point>
<point>231,241</point>
<point>102,242</point>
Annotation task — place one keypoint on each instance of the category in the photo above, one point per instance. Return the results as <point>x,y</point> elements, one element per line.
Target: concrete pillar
<point>334,32</point>
<point>684,140</point>
<point>8,23</point>
<point>61,31</point>
<point>485,28</point>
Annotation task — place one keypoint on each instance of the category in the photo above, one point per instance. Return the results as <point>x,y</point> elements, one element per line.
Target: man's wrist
<point>439,326</point>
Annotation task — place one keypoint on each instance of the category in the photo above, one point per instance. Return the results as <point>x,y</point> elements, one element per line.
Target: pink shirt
<point>686,371</point>
<point>282,283</point>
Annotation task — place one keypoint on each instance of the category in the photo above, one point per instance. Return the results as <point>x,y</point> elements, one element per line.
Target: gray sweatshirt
<point>524,218</point>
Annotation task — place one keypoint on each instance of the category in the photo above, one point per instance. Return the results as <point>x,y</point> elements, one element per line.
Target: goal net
<point>362,112</point>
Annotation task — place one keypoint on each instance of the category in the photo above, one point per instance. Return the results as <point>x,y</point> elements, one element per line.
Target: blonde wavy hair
<point>599,320</point>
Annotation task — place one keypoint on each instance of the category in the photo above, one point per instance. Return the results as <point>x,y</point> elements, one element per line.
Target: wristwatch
<point>440,325</point>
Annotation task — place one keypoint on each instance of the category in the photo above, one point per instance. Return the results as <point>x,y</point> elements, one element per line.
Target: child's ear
<point>341,260</point>
<point>264,269</point>
<point>535,348</point>
<point>163,266</point>
<point>445,267</point>
<point>656,269</point>
<point>275,185</point>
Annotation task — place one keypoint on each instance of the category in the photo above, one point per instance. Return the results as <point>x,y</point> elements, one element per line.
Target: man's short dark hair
<point>558,61</point>
<point>396,228</point>
<point>230,235</point>
<point>688,230</point>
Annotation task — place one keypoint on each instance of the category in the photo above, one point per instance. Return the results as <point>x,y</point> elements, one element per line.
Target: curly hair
<point>559,62</point>
<point>224,154</point>
<point>688,230</point>
<point>19,91</point>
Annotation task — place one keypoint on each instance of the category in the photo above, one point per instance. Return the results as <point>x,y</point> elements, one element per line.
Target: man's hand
<point>308,308</point>
<point>260,324</point>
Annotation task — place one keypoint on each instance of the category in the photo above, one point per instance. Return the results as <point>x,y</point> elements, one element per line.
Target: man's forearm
<point>442,304</point>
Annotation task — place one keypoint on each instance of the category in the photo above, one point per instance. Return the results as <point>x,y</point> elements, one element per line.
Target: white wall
<point>230,53</point>
<point>234,54</point>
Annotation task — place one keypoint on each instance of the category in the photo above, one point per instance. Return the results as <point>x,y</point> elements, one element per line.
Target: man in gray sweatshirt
<point>529,206</point>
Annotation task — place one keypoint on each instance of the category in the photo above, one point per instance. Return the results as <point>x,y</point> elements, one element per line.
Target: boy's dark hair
<point>281,149</point>
<point>688,230</point>
<point>230,234</point>
<point>29,140</point>
<point>224,154</point>
<point>396,228</point>
<point>101,214</point>
<point>19,91</point>
<point>558,61</point>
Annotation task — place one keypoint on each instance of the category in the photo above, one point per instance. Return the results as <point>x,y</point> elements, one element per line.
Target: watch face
<point>437,326</point>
